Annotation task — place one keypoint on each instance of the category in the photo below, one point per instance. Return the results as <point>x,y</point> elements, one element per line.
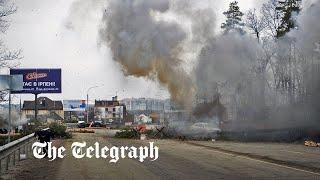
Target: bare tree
<point>255,23</point>
<point>271,17</point>
<point>8,58</point>
<point>5,11</point>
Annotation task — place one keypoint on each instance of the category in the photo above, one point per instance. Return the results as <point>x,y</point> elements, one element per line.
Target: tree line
<point>281,84</point>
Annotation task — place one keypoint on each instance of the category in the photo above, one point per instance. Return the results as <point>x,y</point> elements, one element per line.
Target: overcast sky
<point>39,29</point>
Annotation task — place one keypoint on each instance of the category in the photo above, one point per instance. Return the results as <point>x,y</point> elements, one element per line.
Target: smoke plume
<point>16,119</point>
<point>146,47</point>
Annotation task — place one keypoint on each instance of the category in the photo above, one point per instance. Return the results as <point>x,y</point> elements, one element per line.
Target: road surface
<point>177,160</point>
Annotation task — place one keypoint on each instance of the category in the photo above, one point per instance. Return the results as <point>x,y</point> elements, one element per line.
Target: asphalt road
<point>177,160</point>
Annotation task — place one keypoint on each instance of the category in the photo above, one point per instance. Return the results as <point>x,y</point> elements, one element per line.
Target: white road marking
<point>296,152</point>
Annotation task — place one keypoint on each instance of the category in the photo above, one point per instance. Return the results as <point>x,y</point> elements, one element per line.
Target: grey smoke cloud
<point>16,119</point>
<point>308,32</point>
<point>146,47</point>
<point>226,58</point>
<point>202,18</point>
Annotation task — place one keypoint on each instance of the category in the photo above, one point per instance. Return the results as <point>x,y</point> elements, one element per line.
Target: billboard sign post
<point>37,81</point>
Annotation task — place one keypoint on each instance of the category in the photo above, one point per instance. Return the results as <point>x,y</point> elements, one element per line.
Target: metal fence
<point>12,152</point>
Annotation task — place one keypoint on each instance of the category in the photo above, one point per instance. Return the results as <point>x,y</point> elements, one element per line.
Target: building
<point>147,104</point>
<point>110,112</point>
<point>135,104</point>
<point>48,110</point>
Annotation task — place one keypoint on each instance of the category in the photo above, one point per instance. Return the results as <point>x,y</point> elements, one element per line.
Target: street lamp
<point>119,91</point>
<point>88,100</point>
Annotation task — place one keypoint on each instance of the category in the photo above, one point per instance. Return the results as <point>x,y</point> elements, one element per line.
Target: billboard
<point>74,105</point>
<point>36,81</point>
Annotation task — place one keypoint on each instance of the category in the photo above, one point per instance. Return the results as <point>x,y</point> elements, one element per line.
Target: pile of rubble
<point>80,130</point>
<point>311,144</point>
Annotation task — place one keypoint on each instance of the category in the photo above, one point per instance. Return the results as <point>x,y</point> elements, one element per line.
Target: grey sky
<point>39,29</point>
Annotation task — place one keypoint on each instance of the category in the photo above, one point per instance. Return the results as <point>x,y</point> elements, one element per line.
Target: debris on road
<point>128,133</point>
<point>143,137</point>
<point>81,130</point>
<point>311,144</point>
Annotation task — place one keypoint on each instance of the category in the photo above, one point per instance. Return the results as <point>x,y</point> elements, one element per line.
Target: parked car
<point>81,124</point>
<point>97,124</point>
<point>204,129</point>
<point>3,131</point>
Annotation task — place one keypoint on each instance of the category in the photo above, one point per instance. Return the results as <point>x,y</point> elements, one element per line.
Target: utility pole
<point>36,106</point>
<point>12,83</point>
<point>20,109</point>
<point>9,123</point>
<point>87,108</point>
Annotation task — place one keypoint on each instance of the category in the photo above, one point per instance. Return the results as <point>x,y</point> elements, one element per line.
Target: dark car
<point>97,124</point>
<point>3,131</point>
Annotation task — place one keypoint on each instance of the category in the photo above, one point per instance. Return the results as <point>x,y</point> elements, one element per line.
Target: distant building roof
<point>105,103</point>
<point>43,103</point>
